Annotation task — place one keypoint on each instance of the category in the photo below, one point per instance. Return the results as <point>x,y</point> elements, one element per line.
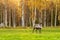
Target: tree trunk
<point>51,17</point>
<point>45,18</point>
<point>14,21</point>
<point>56,15</point>
<point>23,24</point>
<point>5,12</point>
<point>5,16</point>
<point>9,18</point>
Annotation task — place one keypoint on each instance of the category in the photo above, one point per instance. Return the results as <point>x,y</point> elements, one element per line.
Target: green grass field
<point>26,34</point>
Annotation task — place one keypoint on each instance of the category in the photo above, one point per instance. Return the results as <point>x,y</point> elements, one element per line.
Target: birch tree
<point>1,13</point>
<point>45,14</point>
<point>13,17</point>
<point>56,13</point>
<point>51,17</point>
<point>23,24</point>
<point>9,18</point>
<point>5,14</point>
<point>34,14</point>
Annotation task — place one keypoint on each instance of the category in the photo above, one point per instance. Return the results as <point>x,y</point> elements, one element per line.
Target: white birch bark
<point>56,14</point>
<point>23,24</point>
<point>14,21</point>
<point>51,17</point>
<point>1,16</point>
<point>41,16</point>
<point>9,18</point>
<point>5,12</point>
<point>45,18</point>
<point>32,18</point>
<point>34,15</point>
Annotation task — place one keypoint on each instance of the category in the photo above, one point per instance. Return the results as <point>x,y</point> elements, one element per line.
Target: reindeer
<point>37,28</point>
